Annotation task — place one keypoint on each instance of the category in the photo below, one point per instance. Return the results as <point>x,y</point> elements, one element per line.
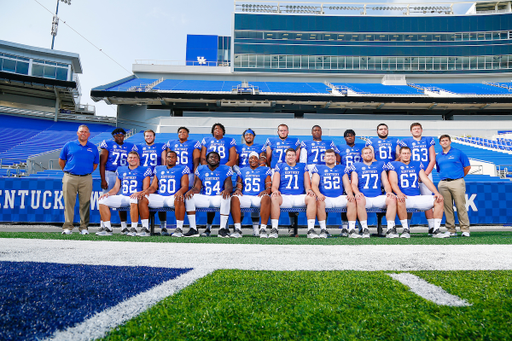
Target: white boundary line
<point>101,323</point>
<point>429,291</point>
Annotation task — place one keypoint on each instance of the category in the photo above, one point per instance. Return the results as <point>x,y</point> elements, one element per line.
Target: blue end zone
<point>40,298</point>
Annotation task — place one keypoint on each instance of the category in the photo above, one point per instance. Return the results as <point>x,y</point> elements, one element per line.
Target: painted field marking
<point>429,291</point>
<point>101,323</point>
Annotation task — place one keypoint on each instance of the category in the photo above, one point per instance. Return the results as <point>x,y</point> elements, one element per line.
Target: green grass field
<point>339,305</point>
<point>487,237</point>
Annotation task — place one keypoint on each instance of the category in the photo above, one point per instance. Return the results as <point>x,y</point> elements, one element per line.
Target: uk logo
<point>201,60</point>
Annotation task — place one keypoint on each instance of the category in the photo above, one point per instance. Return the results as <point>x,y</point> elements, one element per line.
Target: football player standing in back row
<point>151,155</point>
<point>422,150</point>
<point>114,154</point>
<point>312,152</point>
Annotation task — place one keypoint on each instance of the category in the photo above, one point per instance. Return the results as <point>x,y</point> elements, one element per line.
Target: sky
<point>109,35</point>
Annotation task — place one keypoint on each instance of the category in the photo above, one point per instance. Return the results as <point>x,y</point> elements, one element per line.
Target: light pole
<point>55,22</point>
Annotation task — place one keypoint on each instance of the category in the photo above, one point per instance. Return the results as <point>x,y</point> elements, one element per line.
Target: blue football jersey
<point>350,155</point>
<point>213,181</point>
<point>244,150</point>
<point>254,179</point>
<point>408,176</point>
<point>184,151</point>
<point>316,151</point>
<point>117,154</point>
<point>221,146</point>
<point>369,177</point>
<point>150,156</point>
<point>419,149</point>
<point>132,180</point>
<point>331,180</point>
<point>279,148</point>
<point>292,178</point>
<point>169,179</point>
<point>384,149</point>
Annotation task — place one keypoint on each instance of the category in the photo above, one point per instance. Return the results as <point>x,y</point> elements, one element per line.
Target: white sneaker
<point>465,234</point>
<point>144,232</point>
<point>103,231</point>
<point>66,231</point>
<point>366,233</point>
<point>177,233</point>
<point>274,233</point>
<point>84,232</point>
<point>354,234</point>
<point>132,233</point>
<point>439,234</point>
<point>263,233</point>
<point>236,234</point>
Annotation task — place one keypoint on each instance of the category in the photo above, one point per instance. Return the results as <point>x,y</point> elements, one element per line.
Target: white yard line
<point>261,257</point>
<point>429,291</point>
<point>98,325</point>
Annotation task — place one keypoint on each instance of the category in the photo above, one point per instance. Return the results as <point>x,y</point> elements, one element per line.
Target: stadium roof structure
<point>307,97</point>
<point>39,77</point>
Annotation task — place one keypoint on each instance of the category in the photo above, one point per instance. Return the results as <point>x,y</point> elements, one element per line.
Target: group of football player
<point>381,173</point>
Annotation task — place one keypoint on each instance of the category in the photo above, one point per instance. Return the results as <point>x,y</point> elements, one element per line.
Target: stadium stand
<point>465,88</point>
<point>39,136</point>
<point>136,84</point>
<point>380,89</point>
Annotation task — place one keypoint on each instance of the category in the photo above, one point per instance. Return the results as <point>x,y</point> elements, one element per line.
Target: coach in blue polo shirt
<point>78,159</point>
<point>453,165</point>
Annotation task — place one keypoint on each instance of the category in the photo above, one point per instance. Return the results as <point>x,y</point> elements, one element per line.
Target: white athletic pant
<point>424,189</point>
<point>247,201</point>
<point>420,202</point>
<point>376,202</point>
<point>110,178</point>
<point>117,201</point>
<point>158,201</point>
<point>290,201</point>
<point>337,202</point>
<point>205,201</point>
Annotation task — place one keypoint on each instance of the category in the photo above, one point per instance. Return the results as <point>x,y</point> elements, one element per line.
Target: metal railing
<point>504,171</point>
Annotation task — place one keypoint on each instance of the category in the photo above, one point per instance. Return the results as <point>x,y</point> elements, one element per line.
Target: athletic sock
<point>311,224</point>
<point>322,225</point>
<point>163,224</point>
<point>405,224</point>
<point>391,224</point>
<point>123,225</point>
<point>263,226</point>
<point>135,225</point>
<point>430,223</point>
<point>145,223</point>
<point>107,225</point>
<point>209,226</point>
<point>223,221</point>
<point>364,224</point>
<point>275,223</point>
<point>192,221</point>
<point>255,228</point>
<point>179,224</point>
<point>238,226</point>
<point>351,225</point>
<point>437,224</point>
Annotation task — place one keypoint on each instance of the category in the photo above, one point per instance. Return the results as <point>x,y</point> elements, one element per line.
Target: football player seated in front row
<point>130,182</point>
<point>168,189</point>
<point>212,188</point>
<point>252,190</point>
<point>291,187</point>
<point>329,182</point>
<point>404,176</point>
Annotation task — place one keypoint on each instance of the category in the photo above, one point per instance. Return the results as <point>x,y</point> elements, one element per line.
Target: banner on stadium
<point>39,200</point>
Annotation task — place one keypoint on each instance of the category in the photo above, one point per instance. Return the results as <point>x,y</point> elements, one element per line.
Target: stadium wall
<point>39,200</point>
